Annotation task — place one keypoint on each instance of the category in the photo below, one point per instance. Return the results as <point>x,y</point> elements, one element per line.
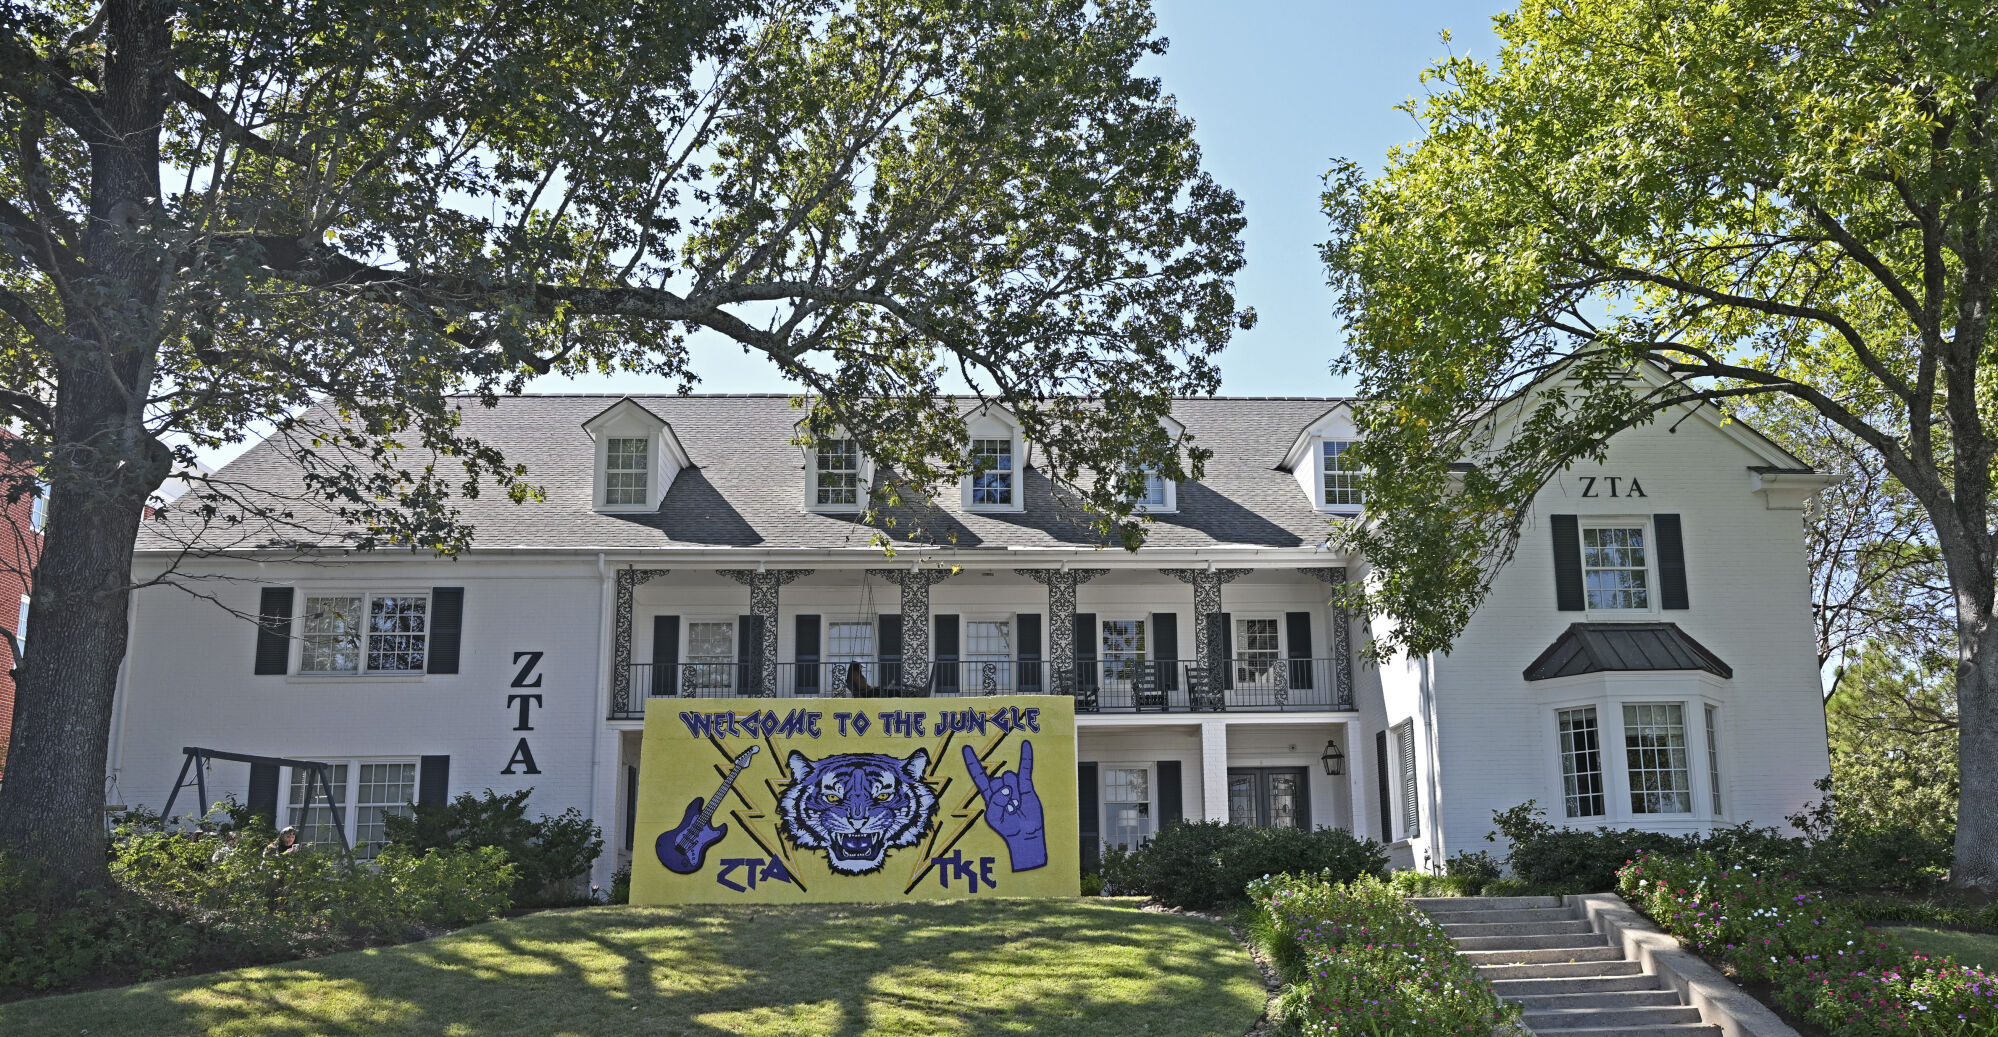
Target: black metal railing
<point>1112,685</point>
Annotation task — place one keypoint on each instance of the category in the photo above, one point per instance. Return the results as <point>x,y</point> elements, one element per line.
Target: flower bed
<point>1358,959</point>
<point>1819,959</point>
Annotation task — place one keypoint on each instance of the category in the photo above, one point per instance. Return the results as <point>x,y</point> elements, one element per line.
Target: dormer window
<point>1341,489</point>
<point>625,472</point>
<point>992,475</point>
<point>838,467</point>
<point>1155,498</point>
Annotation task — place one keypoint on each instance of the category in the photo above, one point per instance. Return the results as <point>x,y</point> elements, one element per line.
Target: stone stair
<point>1545,957</point>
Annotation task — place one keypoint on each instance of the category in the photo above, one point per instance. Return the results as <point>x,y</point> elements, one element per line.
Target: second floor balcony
<point>1256,683</point>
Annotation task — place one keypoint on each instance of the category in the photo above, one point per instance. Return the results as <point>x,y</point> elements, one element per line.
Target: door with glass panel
<point>1127,806</point>
<point>1268,797</point>
<point>1122,661</point>
<point>1258,670</point>
<point>711,662</point>
<point>988,657</point>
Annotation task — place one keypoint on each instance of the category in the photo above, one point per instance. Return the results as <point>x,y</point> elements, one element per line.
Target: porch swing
<point>889,680</point>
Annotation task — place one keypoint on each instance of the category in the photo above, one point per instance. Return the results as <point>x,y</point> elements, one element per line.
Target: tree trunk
<point>1977,755</point>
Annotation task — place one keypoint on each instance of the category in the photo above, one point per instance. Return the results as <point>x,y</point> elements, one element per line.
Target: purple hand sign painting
<point>1013,808</point>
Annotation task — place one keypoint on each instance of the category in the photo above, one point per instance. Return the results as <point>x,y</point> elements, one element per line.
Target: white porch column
<point>1214,769</point>
<point>1356,779</point>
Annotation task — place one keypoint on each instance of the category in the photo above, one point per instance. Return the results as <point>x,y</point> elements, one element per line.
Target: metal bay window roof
<point>1618,647</point>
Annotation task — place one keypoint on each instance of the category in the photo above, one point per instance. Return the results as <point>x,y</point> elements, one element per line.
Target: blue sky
<point>1278,88</point>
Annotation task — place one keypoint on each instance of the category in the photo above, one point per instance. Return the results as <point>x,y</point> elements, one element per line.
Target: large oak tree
<point>1759,197</point>
<point>322,217</point>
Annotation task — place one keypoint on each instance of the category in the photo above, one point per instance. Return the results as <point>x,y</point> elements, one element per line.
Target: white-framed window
<point>377,790</point>
<point>354,633</point>
<point>1616,572</point>
<point>710,657</point>
<point>1258,650</point>
<point>38,508</point>
<point>21,626</point>
<point>1341,491</point>
<point>837,474</point>
<point>1654,739</point>
<point>988,653</point>
<point>1123,653</point>
<point>992,473</point>
<point>1713,758</point>
<point>1581,762</point>
<point>1158,493</point>
<point>1127,806</point>
<point>626,475</point>
<point>1411,807</point>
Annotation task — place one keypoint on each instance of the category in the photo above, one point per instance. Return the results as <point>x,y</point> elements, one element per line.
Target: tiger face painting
<point>857,806</point>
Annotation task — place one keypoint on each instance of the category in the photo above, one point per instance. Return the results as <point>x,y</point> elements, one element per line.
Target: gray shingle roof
<point>747,489</point>
<point>1596,647</point>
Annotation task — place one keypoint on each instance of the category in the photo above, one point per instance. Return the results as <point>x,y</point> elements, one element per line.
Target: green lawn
<point>1094,967</point>
<point>1979,950</point>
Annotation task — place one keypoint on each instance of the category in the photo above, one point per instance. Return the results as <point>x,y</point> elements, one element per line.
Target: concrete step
<point>1601,968</point>
<point>1483,903</point>
<point>1543,955</point>
<point>1562,1019</point>
<point>1664,1030</point>
<point>1499,943</point>
<point>1504,914</point>
<point>1600,1000</point>
<point>1515,989</point>
<point>1551,927</point>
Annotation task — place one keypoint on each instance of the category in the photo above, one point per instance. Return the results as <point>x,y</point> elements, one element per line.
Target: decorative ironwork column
<point>763,605</point>
<point>915,608</point>
<point>1061,585</point>
<point>627,580</point>
<point>1206,605</point>
<point>1342,627</point>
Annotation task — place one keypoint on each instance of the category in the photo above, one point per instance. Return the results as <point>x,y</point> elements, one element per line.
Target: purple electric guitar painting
<point>683,849</point>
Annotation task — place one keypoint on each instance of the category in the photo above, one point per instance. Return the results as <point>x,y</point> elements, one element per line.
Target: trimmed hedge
<point>1204,865</point>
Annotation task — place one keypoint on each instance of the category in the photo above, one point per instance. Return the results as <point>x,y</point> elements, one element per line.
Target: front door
<point>1268,797</point>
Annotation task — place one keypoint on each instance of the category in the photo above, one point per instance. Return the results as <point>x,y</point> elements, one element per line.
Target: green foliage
<point>1574,860</point>
<point>549,855</point>
<point>1413,883</point>
<point>1092,884</point>
<point>214,897</point>
<point>1892,725</point>
<point>1822,961</point>
<point>1356,957</point>
<point>1204,865</point>
<point>620,891</point>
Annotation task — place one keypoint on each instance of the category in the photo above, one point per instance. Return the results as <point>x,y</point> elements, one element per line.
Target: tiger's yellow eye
<point>883,797</point>
<point>833,797</point>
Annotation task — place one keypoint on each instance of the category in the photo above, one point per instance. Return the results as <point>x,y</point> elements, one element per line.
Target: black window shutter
<point>1027,635</point>
<point>1222,643</point>
<point>1085,804</point>
<point>1085,651</point>
<point>749,655</point>
<point>665,656</point>
<point>273,636</point>
<point>433,781</point>
<point>1297,630</point>
<point>1568,564</point>
<point>889,629</point>
<point>806,652</point>
<point>1381,769</point>
<point>630,807</point>
<point>1172,809</point>
<point>1671,562</point>
<point>263,800</point>
<point>447,622</point>
<point>946,653</point>
<point>1165,650</point>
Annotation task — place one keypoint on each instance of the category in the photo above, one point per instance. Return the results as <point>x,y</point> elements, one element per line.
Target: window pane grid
<point>1654,738</point>
<point>1127,799</point>
<point>396,630</point>
<point>331,636</point>
<point>710,658</point>
<point>625,471</point>
<point>1256,651</point>
<point>989,649</point>
<point>386,790</point>
<point>1123,650</point>
<point>1155,491</point>
<point>992,476</point>
<point>315,822</point>
<point>839,472</point>
<point>1581,762</point>
<point>1614,569</point>
<point>1713,760</point>
<point>1341,489</point>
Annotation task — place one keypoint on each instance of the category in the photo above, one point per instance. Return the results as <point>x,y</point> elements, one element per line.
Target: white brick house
<point>1646,659</point>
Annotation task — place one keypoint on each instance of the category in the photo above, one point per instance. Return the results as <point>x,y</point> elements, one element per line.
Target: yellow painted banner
<point>775,801</point>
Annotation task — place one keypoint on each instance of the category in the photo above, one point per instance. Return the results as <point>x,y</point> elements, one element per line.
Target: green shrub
<point>551,854</point>
<point>1357,958</point>
<point>1425,884</point>
<point>1204,865</point>
<point>1092,884</point>
<point>1579,860</point>
<point>1821,960</point>
<point>620,891</point>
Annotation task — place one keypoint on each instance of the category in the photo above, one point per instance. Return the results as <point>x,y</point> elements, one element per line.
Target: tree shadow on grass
<point>972,968</point>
